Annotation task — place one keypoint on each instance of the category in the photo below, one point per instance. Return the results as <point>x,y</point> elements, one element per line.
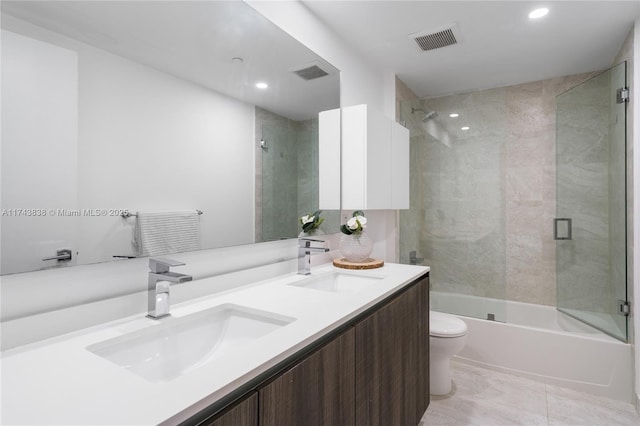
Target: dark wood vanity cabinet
<point>316,392</point>
<point>388,365</point>
<point>373,371</point>
<point>243,413</point>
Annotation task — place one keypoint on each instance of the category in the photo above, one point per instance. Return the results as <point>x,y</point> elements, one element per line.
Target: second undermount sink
<point>177,346</point>
<point>339,282</point>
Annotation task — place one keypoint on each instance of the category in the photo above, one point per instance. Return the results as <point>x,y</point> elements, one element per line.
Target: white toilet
<point>447,336</point>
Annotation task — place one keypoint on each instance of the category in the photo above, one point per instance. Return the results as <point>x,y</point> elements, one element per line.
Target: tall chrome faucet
<point>305,249</point>
<point>160,280</point>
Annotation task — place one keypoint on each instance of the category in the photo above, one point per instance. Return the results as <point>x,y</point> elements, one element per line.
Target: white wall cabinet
<point>375,161</point>
<point>329,159</point>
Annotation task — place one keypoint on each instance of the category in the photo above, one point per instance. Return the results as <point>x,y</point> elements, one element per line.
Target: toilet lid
<point>445,325</point>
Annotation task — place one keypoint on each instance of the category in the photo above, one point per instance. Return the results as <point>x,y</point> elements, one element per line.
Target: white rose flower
<point>352,223</point>
<point>362,220</point>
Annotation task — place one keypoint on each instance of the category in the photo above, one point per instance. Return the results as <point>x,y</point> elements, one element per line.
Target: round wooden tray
<point>367,264</point>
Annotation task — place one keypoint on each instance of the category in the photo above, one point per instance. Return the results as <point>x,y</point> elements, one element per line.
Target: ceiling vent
<point>311,73</point>
<point>436,39</point>
<point>313,70</point>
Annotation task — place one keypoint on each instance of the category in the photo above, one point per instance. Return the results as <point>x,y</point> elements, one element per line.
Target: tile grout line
<point>546,403</point>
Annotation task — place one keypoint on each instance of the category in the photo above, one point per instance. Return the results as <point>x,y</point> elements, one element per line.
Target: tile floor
<point>483,397</point>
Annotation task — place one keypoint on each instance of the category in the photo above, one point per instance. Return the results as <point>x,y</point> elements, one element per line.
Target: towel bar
<point>127,214</point>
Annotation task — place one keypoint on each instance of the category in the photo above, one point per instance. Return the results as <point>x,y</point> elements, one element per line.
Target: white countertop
<point>58,381</point>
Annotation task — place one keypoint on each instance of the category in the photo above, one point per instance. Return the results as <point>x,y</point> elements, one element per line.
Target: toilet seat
<point>445,325</point>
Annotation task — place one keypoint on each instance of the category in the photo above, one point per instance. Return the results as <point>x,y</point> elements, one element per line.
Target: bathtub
<point>540,343</point>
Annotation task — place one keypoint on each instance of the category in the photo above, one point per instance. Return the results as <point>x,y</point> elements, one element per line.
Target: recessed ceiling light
<point>538,13</point>
<point>262,85</point>
<point>454,115</point>
<point>464,128</point>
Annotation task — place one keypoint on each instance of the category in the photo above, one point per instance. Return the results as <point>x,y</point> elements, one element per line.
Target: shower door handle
<point>562,232</point>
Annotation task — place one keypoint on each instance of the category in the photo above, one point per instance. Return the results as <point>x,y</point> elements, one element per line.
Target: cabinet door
<point>366,164</point>
<point>354,157</point>
<point>317,391</point>
<point>378,158</point>
<point>329,159</point>
<point>387,366</point>
<point>244,413</point>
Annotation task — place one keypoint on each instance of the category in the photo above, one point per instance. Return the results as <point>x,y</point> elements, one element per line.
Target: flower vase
<point>356,247</point>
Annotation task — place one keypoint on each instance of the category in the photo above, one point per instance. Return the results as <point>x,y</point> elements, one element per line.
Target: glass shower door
<point>456,223</point>
<point>590,223</point>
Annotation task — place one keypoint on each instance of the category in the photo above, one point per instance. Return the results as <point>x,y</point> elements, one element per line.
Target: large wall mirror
<point>115,106</point>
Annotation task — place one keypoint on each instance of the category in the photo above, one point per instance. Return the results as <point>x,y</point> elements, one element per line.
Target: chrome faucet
<point>160,279</point>
<point>304,254</point>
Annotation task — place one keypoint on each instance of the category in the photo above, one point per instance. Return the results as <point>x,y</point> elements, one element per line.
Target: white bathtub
<point>541,343</point>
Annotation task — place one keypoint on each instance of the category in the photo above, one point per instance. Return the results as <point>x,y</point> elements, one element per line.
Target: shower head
<point>430,115</point>
<point>427,115</point>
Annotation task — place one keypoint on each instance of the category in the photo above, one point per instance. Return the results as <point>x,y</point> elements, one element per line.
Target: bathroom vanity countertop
<point>59,381</point>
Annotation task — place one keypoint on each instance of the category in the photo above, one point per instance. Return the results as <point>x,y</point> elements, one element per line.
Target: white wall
<point>150,141</point>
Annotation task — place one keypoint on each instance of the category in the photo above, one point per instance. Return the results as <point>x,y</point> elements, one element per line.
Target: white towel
<point>158,233</point>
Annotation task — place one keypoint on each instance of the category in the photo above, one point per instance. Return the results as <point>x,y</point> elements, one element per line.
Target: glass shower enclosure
<point>591,207</point>
<point>501,210</point>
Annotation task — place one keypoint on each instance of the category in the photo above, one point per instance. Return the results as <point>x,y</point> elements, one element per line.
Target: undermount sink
<point>339,282</point>
<point>179,345</point>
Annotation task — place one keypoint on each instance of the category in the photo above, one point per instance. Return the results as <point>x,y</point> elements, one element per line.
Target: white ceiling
<point>500,46</point>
